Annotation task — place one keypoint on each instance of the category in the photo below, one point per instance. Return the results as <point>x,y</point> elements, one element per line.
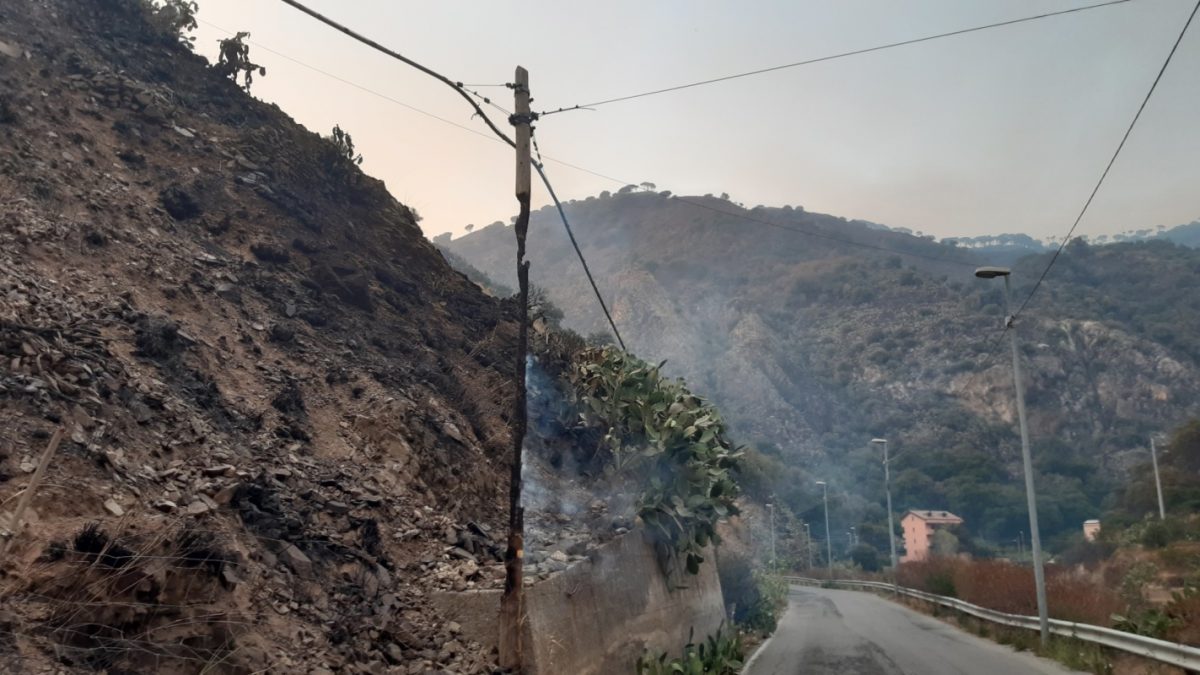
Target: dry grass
<point>1008,587</point>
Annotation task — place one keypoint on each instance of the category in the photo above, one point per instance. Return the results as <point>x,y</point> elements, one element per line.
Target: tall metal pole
<point>771,509</point>
<point>887,485</point>
<point>828,534</point>
<point>1035,539</point>
<point>1162,510</point>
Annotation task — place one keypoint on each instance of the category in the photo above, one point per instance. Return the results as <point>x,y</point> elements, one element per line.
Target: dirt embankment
<point>285,415</point>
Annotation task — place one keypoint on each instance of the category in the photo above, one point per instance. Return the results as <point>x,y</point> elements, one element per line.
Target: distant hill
<point>815,334</point>
<point>1004,249</point>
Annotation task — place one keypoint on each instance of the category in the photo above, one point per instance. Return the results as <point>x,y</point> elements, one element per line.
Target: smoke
<point>569,509</point>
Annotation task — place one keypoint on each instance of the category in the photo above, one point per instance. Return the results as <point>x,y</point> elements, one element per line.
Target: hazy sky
<point>998,131</point>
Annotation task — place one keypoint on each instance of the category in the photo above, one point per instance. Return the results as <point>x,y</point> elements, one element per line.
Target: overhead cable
<point>831,57</point>
<point>1111,161</point>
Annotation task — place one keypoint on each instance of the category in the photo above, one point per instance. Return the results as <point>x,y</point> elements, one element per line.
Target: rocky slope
<point>815,334</point>
<point>285,416</point>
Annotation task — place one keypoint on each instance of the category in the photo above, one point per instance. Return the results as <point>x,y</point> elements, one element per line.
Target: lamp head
<point>992,272</point>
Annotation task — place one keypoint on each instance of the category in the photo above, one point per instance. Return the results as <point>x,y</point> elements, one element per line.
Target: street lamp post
<point>828,534</point>
<point>771,510</point>
<point>1162,511</point>
<point>1035,539</point>
<point>887,486</point>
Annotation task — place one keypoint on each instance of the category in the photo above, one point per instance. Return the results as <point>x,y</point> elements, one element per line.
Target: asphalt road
<point>830,631</point>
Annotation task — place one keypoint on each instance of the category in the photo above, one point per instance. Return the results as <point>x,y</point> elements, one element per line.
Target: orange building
<point>919,527</point>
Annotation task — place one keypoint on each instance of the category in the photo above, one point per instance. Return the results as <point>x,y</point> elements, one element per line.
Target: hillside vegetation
<point>815,334</point>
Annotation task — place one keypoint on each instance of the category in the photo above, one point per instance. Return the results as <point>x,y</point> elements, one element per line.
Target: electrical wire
<point>571,235</point>
<point>582,169</point>
<point>486,99</point>
<point>832,57</point>
<point>466,94</point>
<point>356,85</point>
<point>1109,166</point>
<point>403,59</point>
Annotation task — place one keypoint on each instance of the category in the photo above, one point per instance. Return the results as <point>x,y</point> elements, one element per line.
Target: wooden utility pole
<point>512,605</point>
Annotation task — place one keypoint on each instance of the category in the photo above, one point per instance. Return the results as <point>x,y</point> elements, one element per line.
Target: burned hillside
<point>285,417</point>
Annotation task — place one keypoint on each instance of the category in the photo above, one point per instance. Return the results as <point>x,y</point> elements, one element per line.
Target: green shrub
<point>754,598</point>
<point>1160,533</point>
<point>866,557</point>
<point>942,583</point>
<point>1153,623</point>
<point>672,441</point>
<point>720,654</point>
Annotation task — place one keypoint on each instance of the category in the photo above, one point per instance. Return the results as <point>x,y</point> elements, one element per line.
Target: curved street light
<point>828,534</point>
<point>1035,539</point>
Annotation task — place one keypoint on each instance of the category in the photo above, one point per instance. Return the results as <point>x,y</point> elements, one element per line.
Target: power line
<point>583,261</point>
<point>487,100</point>
<point>545,179</point>
<point>399,57</point>
<point>614,180</point>
<point>356,85</point>
<point>832,57</point>
<point>466,94</point>
<point>1111,161</point>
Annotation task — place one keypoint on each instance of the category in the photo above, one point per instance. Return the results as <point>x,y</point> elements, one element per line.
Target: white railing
<point>1163,651</point>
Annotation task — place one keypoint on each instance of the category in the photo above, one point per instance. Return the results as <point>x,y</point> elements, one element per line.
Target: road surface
<point>830,631</point>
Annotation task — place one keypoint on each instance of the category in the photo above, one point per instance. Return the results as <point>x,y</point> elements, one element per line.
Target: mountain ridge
<point>814,344</point>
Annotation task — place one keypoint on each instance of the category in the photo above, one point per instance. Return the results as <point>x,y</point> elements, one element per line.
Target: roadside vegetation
<point>674,442</point>
<point>720,654</point>
<point>1141,575</point>
<point>755,597</point>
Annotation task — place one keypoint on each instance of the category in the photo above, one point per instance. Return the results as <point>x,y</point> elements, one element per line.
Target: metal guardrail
<point>1163,651</point>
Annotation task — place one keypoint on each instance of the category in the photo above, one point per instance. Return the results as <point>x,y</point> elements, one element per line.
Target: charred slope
<point>812,346</point>
<point>281,404</point>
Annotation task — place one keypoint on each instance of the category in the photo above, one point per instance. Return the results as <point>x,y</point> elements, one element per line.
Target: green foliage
<point>720,654</point>
<point>1152,622</point>
<point>234,60</point>
<point>655,429</point>
<point>944,543</point>
<point>176,18</point>
<point>541,307</point>
<point>754,598</point>
<point>866,557</point>
<point>1139,575</point>
<point>344,145</point>
<point>1087,553</point>
<point>1159,533</point>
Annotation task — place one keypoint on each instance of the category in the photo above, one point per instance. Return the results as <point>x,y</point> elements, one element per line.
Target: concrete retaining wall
<point>599,616</point>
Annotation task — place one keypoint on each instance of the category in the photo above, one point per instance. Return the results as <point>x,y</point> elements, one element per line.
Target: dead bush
<point>131,603</point>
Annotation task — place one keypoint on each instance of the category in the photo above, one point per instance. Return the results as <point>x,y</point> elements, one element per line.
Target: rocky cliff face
<point>286,418</point>
<point>815,334</point>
